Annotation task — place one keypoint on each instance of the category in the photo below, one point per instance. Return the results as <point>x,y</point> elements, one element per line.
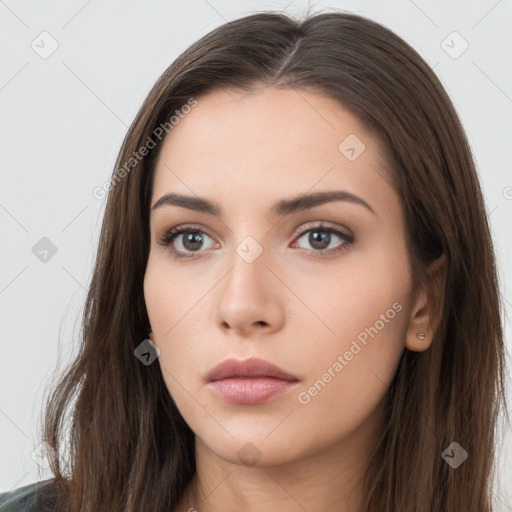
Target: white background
<point>63,119</point>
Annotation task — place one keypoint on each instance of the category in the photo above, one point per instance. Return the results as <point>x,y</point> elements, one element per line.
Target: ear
<point>427,310</point>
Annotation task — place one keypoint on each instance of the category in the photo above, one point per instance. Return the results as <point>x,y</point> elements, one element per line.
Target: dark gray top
<point>36,497</point>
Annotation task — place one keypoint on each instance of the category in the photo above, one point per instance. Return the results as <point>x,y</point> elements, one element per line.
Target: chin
<point>252,447</point>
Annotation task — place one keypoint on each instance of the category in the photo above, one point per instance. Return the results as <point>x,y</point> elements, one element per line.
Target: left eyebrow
<point>281,208</point>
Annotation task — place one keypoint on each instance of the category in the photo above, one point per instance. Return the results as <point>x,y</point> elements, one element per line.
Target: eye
<point>192,240</point>
<point>321,236</point>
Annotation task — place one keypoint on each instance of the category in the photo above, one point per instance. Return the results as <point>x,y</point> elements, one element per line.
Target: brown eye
<point>321,238</point>
<point>190,240</point>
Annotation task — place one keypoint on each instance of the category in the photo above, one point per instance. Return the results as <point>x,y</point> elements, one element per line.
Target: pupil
<point>189,241</point>
<point>320,238</point>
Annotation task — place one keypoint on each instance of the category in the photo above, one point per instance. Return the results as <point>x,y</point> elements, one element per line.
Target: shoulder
<point>35,497</point>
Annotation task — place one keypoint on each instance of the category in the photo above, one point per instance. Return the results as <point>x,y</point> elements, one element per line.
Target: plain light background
<point>64,116</point>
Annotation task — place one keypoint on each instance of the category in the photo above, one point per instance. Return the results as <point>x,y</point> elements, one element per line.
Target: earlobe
<point>427,312</point>
<point>418,345</point>
<point>419,335</point>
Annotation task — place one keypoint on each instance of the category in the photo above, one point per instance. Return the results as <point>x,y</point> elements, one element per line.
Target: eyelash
<point>167,239</point>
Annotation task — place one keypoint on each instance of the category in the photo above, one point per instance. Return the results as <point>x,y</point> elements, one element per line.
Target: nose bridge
<point>249,274</point>
<point>250,295</point>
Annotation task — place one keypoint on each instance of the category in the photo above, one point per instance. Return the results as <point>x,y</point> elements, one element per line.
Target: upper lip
<point>252,367</point>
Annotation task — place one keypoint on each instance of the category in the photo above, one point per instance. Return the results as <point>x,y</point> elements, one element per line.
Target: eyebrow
<point>281,208</point>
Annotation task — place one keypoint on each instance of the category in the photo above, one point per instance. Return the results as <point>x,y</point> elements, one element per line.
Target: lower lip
<point>250,391</point>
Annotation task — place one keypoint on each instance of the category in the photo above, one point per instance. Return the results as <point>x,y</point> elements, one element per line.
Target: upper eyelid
<point>304,227</point>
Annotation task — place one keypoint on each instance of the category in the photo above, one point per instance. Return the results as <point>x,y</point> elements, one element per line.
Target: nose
<point>252,300</point>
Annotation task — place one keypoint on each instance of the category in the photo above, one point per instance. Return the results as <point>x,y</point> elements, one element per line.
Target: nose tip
<point>252,298</point>
<point>242,323</point>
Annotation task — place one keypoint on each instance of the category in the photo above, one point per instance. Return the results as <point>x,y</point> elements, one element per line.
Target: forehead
<point>262,145</point>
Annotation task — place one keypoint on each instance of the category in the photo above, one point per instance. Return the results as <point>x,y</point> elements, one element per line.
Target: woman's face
<point>272,282</point>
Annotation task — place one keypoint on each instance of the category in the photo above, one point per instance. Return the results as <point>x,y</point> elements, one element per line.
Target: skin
<point>245,151</point>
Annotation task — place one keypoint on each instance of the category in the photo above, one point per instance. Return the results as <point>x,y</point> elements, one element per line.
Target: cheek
<point>357,338</point>
<point>173,308</point>
<point>364,299</point>
<point>349,373</point>
<point>171,295</point>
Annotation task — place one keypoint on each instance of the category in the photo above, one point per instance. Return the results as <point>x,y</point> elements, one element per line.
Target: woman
<point>296,223</point>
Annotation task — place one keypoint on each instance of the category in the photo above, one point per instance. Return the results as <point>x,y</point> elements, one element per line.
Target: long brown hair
<point>129,447</point>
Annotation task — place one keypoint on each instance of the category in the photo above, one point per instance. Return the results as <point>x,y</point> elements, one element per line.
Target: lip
<point>249,381</point>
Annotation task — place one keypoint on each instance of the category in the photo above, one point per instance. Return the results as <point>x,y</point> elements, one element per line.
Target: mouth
<point>250,381</point>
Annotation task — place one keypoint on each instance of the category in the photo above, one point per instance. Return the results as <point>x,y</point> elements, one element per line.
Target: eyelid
<point>304,227</point>
<point>323,224</point>
<point>182,227</point>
